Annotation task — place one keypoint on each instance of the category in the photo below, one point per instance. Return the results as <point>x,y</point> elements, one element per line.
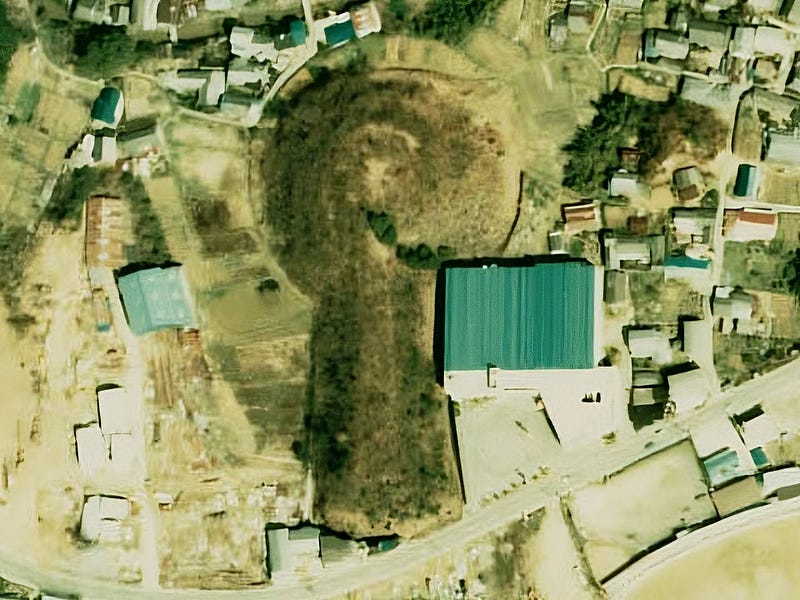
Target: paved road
<point>742,203</point>
<point>575,468</point>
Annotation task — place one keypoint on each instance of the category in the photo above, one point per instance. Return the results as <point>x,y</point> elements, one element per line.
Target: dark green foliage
<point>382,226</point>
<point>656,128</point>
<point>420,257</point>
<point>11,34</point>
<point>269,285</point>
<point>398,8</point>
<point>71,191</point>
<point>14,244</point>
<point>102,51</point>
<point>151,243</point>
<point>27,101</point>
<point>792,273</point>
<point>452,20</point>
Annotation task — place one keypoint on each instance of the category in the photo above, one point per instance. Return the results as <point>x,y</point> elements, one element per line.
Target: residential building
<point>719,96</point>
<point>662,43</point>
<point>579,17</point>
<point>90,447</point>
<point>688,183</point>
<point>211,91</point>
<point>780,107</point>
<point>712,35</point>
<point>783,482</point>
<point>743,44</point>
<point>696,340</point>
<point>630,252</point>
<point>615,290</point>
<point>248,44</point>
<point>773,41</point>
<point>688,389</point>
<point>279,557</point>
<point>156,299</point>
<point>687,268</point>
<point>749,225</point>
<point>115,410</point>
<point>790,10</point>
<point>694,225</point>
<point>626,5</point>
<point>649,343</point>
<point>628,185</point>
<point>784,148</point>
<point>731,305</point>
<point>101,518</point>
<point>736,496</point>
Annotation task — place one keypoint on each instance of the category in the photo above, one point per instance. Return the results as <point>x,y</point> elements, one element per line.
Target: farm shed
<point>108,107</point>
<point>536,316</point>
<point>156,299</point>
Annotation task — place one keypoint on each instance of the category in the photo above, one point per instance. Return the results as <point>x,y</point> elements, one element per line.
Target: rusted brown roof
<point>107,227</point>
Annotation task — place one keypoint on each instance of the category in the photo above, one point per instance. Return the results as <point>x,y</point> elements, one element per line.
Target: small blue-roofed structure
<point>156,299</point>
<point>533,316</point>
<point>686,262</point>
<point>722,466</point>
<point>339,33</point>
<point>297,31</point>
<point>107,108</point>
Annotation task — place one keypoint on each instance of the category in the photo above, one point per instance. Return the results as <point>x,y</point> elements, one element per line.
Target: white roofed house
<point>731,306</point>
<point>773,41</point>
<point>102,516</point>
<point>247,43</point>
<point>627,184</point>
<point>662,43</point>
<point>90,446</point>
<point>743,44</point>
<point>649,343</point>
<point>116,415</point>
<point>784,148</point>
<point>688,389</point>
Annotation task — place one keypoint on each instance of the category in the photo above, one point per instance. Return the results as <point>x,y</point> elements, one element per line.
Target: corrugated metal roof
<point>156,299</point>
<point>105,106</point>
<point>529,317</point>
<point>339,33</point>
<point>278,552</point>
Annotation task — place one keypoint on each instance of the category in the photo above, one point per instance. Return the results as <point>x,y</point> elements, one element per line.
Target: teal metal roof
<point>155,299</point>
<point>105,105</point>
<point>339,33</point>
<point>519,317</point>
<point>721,466</point>
<point>686,262</point>
<point>297,29</point>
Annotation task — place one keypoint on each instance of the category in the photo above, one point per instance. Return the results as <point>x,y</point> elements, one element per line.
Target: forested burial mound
<point>402,145</point>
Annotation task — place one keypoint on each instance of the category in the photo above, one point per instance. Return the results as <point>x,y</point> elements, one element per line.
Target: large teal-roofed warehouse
<point>156,299</point>
<point>520,317</point>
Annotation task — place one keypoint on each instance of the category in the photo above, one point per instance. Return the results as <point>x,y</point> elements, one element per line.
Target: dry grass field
<point>640,506</point>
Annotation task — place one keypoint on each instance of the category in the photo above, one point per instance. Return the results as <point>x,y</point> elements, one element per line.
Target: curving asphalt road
<point>574,468</point>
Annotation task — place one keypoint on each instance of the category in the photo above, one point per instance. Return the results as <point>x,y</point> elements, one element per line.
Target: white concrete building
<point>101,518</point>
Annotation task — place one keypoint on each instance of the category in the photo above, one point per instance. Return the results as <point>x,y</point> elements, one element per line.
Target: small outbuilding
<point>101,517</point>
<point>688,183</point>
<point>90,447</point>
<point>107,109</point>
<point>745,186</point>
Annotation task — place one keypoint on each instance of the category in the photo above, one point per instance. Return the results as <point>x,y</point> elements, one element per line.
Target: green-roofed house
<point>519,318</point>
<point>340,33</point>
<point>156,299</point>
<point>107,108</point>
